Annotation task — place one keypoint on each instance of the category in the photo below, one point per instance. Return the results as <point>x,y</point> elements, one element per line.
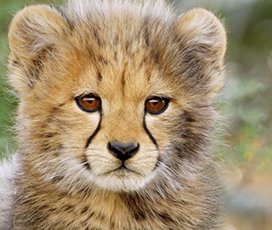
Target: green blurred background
<point>246,102</point>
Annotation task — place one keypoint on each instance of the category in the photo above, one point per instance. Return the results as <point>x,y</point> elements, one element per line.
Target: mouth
<point>122,171</point>
<point>122,177</point>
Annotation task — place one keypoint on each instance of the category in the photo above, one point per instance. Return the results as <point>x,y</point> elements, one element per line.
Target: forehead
<point>125,79</point>
<point>119,71</point>
<point>121,58</point>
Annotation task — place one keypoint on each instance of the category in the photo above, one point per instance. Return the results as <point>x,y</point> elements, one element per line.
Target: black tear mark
<point>149,134</point>
<point>94,133</point>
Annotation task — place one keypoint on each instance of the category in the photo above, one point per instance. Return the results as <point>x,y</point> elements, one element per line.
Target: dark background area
<point>246,102</point>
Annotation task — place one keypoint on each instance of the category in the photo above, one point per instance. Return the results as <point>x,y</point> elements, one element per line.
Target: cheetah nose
<point>123,151</point>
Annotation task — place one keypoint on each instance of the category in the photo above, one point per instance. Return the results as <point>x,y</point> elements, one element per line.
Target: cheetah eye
<point>156,105</point>
<point>89,103</point>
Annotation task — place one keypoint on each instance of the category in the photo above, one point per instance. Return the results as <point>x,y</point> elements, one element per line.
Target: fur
<point>8,172</point>
<point>124,52</point>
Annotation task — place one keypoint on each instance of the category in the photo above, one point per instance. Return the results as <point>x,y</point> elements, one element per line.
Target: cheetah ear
<point>33,35</point>
<point>203,42</point>
<point>201,29</point>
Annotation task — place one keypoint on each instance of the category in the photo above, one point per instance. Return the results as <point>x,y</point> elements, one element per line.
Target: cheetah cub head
<point>115,95</point>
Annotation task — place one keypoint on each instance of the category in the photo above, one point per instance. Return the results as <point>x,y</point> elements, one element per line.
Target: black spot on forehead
<point>99,76</point>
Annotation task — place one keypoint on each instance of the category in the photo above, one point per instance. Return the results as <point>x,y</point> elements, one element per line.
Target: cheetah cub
<point>115,117</point>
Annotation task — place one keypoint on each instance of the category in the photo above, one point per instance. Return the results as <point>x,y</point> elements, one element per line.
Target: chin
<point>123,180</point>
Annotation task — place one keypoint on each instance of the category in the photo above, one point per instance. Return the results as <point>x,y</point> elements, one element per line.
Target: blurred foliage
<point>249,74</point>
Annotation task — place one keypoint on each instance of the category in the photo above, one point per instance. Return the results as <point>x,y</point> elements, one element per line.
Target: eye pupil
<point>156,105</point>
<point>89,103</point>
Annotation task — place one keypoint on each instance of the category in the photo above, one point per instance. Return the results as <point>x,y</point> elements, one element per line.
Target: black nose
<point>123,151</point>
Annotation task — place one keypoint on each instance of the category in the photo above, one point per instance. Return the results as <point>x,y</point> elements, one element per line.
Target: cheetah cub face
<point>114,98</point>
<point>124,113</point>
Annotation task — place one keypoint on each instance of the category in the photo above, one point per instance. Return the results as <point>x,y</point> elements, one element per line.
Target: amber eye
<point>89,103</point>
<point>156,105</point>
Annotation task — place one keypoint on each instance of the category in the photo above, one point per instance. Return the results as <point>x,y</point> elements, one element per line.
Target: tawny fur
<point>8,171</point>
<point>124,52</point>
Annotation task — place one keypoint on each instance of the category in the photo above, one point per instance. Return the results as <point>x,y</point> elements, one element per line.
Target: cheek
<point>160,128</point>
<point>77,128</point>
<point>145,161</point>
<point>166,127</point>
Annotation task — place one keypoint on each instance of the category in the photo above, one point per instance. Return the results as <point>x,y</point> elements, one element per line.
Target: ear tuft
<point>34,32</point>
<point>199,27</point>
<point>35,27</point>
<point>202,41</point>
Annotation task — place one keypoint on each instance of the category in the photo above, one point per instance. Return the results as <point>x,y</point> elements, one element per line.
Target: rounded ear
<point>202,39</point>
<point>202,29</point>
<point>34,33</point>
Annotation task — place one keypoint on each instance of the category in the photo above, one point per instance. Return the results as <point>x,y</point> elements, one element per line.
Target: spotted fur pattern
<point>124,52</point>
